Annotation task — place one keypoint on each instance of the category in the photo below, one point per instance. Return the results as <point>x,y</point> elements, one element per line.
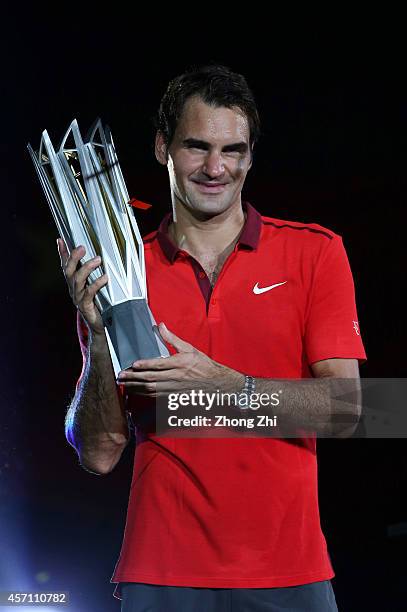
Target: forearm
<point>96,424</point>
<point>328,406</point>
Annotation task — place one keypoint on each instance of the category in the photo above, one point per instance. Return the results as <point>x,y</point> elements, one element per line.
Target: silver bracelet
<point>244,395</point>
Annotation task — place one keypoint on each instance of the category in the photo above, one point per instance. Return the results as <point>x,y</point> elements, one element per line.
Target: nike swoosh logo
<point>258,290</point>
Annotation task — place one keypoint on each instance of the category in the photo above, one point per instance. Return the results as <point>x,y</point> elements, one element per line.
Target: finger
<point>91,290</point>
<point>63,252</point>
<point>180,345</point>
<point>84,271</point>
<point>74,259</point>
<point>159,389</point>
<point>160,363</point>
<point>80,278</point>
<point>148,376</point>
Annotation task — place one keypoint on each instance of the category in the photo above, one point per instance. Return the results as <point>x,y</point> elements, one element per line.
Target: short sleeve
<point>332,326</point>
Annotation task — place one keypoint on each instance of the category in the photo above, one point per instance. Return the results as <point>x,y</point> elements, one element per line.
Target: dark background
<point>332,152</point>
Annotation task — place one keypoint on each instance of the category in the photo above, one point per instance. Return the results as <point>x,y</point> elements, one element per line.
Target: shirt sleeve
<point>332,326</point>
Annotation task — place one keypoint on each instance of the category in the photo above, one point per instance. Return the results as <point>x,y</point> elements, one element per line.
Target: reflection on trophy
<point>88,198</point>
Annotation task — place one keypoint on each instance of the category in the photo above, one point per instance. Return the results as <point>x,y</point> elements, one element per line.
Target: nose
<point>213,164</point>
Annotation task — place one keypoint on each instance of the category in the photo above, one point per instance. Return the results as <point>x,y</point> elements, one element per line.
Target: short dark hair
<point>216,85</point>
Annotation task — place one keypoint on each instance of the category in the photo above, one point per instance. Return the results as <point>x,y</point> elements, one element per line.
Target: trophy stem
<point>132,332</point>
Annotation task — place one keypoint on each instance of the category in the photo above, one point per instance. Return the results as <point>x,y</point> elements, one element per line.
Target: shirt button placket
<point>213,311</point>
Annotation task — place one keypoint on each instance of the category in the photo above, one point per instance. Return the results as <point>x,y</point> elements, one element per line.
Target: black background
<point>331,152</point>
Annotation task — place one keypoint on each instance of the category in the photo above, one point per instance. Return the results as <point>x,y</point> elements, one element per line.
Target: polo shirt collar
<point>249,236</point>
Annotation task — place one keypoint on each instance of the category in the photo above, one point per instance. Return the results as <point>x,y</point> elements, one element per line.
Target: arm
<point>96,424</point>
<point>343,369</point>
<point>306,404</point>
<point>311,403</point>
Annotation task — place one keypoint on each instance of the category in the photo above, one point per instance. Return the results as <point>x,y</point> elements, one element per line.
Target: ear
<point>160,149</point>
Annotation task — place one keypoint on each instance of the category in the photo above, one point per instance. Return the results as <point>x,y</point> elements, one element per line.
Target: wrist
<point>244,397</point>
<point>233,382</point>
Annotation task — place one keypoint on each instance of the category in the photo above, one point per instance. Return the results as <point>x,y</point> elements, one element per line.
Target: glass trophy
<point>87,195</point>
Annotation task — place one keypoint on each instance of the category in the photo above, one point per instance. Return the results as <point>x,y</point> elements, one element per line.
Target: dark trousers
<point>313,597</point>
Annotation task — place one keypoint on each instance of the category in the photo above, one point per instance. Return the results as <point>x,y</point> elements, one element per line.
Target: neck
<point>196,234</point>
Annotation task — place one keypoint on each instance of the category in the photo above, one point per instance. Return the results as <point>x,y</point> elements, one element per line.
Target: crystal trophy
<point>88,198</point>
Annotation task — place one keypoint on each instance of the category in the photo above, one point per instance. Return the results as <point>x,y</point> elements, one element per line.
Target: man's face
<point>208,158</point>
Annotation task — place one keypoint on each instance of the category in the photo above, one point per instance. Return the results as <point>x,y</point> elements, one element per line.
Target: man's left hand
<point>188,369</point>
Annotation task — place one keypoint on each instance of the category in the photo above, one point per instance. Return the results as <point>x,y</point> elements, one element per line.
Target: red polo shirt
<point>240,512</point>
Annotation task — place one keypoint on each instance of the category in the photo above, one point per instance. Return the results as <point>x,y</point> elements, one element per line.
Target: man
<point>242,300</point>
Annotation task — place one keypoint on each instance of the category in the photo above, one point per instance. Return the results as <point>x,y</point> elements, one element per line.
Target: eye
<point>233,153</point>
<point>195,145</point>
<point>236,152</point>
<point>195,149</point>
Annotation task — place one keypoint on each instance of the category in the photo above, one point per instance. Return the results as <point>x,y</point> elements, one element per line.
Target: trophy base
<point>131,329</point>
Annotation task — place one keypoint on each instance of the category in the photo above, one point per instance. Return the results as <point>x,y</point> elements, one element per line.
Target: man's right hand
<point>81,292</point>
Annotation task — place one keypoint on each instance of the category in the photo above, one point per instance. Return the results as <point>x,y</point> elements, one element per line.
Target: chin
<point>210,209</point>
<point>209,206</point>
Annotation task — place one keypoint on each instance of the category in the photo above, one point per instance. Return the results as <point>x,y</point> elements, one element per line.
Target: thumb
<point>180,345</point>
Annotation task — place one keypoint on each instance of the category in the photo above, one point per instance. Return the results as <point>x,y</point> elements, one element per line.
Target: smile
<point>210,187</point>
